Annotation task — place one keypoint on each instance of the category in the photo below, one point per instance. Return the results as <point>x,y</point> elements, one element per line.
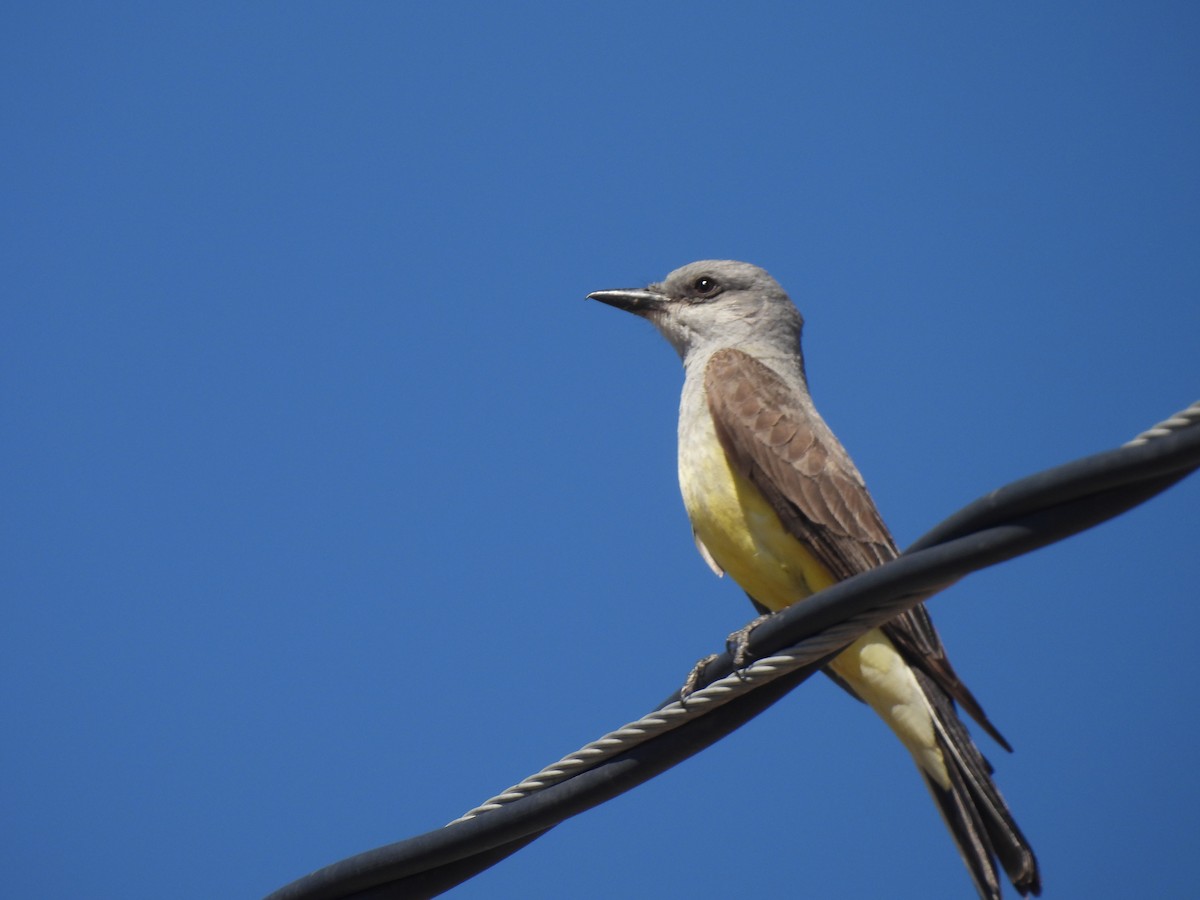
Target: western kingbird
<point>775,501</point>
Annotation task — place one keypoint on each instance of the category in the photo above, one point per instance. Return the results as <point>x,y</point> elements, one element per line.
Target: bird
<point>776,502</point>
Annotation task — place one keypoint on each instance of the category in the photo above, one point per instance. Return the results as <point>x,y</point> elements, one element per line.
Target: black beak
<point>637,301</point>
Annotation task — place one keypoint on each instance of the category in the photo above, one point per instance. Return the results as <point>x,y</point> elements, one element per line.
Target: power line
<point>785,650</point>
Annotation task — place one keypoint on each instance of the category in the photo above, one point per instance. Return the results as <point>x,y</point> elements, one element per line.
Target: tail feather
<point>963,822</point>
<point>974,811</point>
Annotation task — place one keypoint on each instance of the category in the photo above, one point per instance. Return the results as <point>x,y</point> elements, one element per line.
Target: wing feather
<point>774,437</point>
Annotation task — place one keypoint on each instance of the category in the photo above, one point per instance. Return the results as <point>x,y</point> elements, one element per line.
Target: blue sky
<point>331,509</point>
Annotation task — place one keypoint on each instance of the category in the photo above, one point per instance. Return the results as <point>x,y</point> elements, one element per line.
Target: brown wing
<point>776,439</point>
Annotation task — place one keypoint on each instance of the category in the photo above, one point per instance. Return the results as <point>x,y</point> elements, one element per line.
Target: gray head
<point>716,303</point>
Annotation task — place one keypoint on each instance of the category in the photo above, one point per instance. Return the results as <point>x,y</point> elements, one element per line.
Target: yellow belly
<point>743,534</point>
<point>745,537</point>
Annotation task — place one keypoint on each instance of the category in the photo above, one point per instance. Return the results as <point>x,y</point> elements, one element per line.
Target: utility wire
<point>787,649</point>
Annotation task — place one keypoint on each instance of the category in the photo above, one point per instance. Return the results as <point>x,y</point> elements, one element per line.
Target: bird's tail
<point>973,809</point>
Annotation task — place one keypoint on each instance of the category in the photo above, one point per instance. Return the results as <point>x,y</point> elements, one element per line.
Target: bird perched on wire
<point>776,502</point>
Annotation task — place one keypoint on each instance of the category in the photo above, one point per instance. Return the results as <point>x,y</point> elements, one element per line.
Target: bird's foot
<point>738,647</point>
<point>694,676</point>
<point>738,643</point>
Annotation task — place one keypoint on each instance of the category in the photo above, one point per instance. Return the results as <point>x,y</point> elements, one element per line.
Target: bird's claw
<point>738,647</point>
<point>738,643</point>
<point>694,676</point>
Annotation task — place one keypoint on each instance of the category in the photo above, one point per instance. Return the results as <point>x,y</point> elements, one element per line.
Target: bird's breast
<point>737,525</point>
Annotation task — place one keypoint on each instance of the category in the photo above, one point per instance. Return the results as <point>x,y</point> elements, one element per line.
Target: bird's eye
<point>705,285</point>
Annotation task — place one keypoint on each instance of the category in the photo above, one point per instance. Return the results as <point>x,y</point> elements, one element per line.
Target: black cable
<point>1008,522</point>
